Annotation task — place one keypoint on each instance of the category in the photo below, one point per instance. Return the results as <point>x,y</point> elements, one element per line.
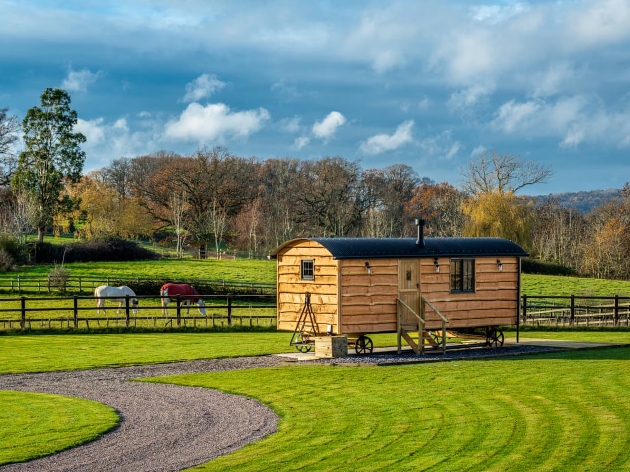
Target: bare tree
<point>18,215</point>
<point>502,173</point>
<point>9,129</point>
<point>178,208</point>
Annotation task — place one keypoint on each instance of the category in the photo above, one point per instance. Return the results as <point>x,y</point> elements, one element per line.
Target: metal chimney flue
<point>420,225</point>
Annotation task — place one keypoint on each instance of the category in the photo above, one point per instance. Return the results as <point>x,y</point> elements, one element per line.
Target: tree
<point>501,174</point>
<point>52,156</point>
<point>386,192</point>
<point>502,215</point>
<point>9,127</point>
<point>440,205</point>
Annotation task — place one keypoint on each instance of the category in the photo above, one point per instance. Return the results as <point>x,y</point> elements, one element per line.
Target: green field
<point>541,412</point>
<point>264,271</point>
<point>240,270</point>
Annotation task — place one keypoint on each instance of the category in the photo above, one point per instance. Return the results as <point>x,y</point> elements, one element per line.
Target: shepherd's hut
<point>421,288</point>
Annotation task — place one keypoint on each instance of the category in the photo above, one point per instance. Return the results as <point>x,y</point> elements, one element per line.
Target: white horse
<point>187,295</point>
<point>115,294</point>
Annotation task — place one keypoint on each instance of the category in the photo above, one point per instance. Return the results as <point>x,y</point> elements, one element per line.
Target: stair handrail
<point>442,317</point>
<point>401,333</point>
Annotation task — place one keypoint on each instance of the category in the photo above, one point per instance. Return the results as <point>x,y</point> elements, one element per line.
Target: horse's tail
<point>163,294</point>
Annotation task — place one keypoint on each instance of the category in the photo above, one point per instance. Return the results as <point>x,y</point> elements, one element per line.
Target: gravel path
<point>169,427</point>
<point>163,427</point>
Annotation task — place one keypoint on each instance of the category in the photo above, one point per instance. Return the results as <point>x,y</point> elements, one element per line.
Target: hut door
<point>409,291</point>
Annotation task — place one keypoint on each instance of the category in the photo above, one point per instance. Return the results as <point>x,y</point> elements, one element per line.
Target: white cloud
<point>494,14</point>
<point>602,22</point>
<point>203,86</point>
<point>478,151</point>
<point>441,146</point>
<point>215,121</point>
<point>469,97</point>
<point>512,115</point>
<point>290,125</point>
<point>326,128</point>
<point>300,142</point>
<point>79,80</point>
<point>385,142</point>
<point>92,130</point>
<point>553,80</point>
<point>572,120</point>
<point>106,141</point>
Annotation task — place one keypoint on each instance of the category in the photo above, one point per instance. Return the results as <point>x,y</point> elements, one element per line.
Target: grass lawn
<point>34,425</point>
<point>43,353</point>
<point>553,412</point>
<point>528,413</point>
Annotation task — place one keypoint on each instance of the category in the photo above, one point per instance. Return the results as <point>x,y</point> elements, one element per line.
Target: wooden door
<point>409,291</point>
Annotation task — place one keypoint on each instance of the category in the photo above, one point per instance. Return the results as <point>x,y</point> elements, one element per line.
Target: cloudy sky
<point>430,84</point>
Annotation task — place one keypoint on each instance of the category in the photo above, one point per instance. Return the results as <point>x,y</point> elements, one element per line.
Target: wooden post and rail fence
<point>71,312</point>
<point>27,313</point>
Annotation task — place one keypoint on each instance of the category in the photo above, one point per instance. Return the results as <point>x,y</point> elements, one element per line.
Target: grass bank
<point>35,425</point>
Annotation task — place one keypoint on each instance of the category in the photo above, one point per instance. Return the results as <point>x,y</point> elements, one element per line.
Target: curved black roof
<point>374,248</point>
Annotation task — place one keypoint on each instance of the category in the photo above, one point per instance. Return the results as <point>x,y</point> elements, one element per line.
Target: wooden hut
<point>357,286</point>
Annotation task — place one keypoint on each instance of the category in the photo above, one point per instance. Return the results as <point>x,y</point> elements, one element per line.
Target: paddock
<point>420,288</point>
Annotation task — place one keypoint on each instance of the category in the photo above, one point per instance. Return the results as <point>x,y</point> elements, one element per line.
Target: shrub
<point>10,245</point>
<point>59,278</point>
<point>95,250</point>
<point>532,266</point>
<point>7,262</point>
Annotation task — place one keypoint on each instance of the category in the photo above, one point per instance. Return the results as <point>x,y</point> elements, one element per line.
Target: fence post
<point>76,312</point>
<point>572,310</point>
<point>616,310</point>
<point>23,317</point>
<point>80,287</point>
<point>229,310</point>
<point>127,310</point>
<point>179,313</point>
<point>524,308</point>
<point>48,283</point>
<point>18,277</point>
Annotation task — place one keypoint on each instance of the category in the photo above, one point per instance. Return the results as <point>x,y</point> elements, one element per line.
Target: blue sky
<point>429,84</point>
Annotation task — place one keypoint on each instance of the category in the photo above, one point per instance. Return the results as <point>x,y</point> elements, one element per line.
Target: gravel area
<point>168,427</point>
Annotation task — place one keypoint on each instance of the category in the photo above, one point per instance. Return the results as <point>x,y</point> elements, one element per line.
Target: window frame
<point>307,273</point>
<point>460,275</point>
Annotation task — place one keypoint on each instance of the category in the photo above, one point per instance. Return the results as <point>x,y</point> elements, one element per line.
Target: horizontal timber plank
<point>297,308</point>
<point>374,272</point>
<point>367,300</point>
<point>319,260</point>
<point>307,251</point>
<point>320,285</point>
<point>295,270</point>
<point>299,298</point>
<point>367,328</point>
<point>361,290</point>
<point>353,310</point>
<point>369,318</point>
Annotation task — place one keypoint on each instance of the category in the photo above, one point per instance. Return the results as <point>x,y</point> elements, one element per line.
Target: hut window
<point>308,269</point>
<point>462,275</point>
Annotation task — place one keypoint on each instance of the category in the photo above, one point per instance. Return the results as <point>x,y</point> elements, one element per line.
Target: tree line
<point>213,198</point>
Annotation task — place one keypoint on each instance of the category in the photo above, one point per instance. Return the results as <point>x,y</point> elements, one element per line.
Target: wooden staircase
<point>417,336</point>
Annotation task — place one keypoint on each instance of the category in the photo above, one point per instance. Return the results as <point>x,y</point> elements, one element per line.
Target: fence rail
<point>573,310</point>
<point>25,313</point>
<point>33,284</point>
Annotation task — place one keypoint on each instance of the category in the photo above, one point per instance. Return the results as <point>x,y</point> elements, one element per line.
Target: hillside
<point>584,202</point>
